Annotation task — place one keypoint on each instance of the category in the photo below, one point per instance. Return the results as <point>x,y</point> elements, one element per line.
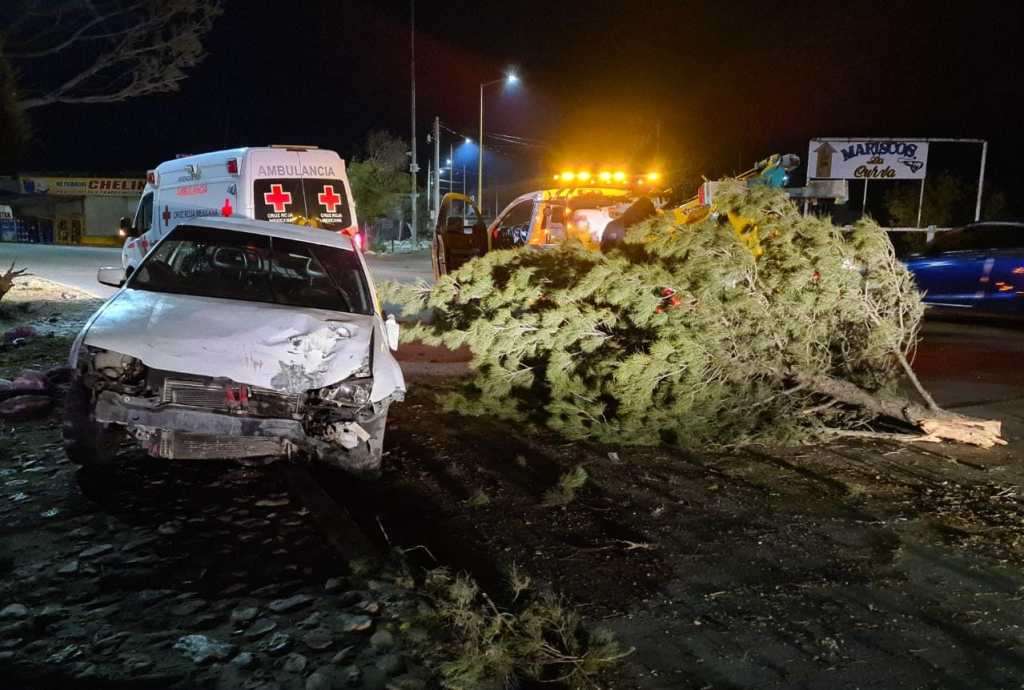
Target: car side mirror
<point>125,227</point>
<point>391,330</point>
<point>110,275</point>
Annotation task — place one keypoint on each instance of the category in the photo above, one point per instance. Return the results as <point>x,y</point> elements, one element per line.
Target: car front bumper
<point>180,432</point>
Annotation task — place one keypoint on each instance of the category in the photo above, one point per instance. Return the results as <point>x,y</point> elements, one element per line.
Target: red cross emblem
<point>329,199</point>
<point>278,198</point>
<point>167,215</point>
<point>144,243</point>
<point>226,209</point>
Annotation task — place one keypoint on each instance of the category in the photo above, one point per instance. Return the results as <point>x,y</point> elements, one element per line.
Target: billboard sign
<point>867,159</point>
<point>83,186</point>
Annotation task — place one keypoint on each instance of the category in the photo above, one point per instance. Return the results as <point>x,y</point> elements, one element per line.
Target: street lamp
<point>509,79</point>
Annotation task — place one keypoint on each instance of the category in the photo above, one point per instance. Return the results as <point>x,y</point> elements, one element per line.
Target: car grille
<point>228,397</point>
<point>205,447</point>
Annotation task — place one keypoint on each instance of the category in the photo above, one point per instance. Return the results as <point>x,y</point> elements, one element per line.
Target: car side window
<point>144,216</point>
<point>1005,238</point>
<point>516,221</point>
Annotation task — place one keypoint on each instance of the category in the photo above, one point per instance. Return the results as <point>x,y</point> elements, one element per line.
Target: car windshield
<point>208,262</point>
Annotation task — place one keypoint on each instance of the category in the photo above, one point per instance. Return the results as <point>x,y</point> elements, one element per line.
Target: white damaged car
<point>237,339</point>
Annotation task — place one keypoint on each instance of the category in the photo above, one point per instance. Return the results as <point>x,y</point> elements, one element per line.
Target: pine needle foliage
<point>542,640</point>
<point>569,483</point>
<point>682,336</point>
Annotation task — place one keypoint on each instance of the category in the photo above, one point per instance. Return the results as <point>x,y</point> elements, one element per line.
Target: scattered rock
<point>207,620</point>
<point>290,604</point>
<point>260,628</point>
<point>25,406</point>
<point>279,643</point>
<point>97,550</point>
<point>82,533</point>
<point>273,502</point>
<point>200,648</point>
<point>13,611</point>
<point>333,584</point>
<point>355,623</point>
<point>148,596</point>
<point>382,639</point>
<point>65,654</point>
<point>169,528</point>
<point>51,612</point>
<point>370,607</point>
<point>390,664</point>
<point>136,543</point>
<point>295,663</point>
<point>406,682</point>
<point>244,660</point>
<point>319,681</point>
<point>318,639</point>
<point>343,655</point>
<point>188,607</point>
<point>137,663</point>
<point>351,675</point>
<point>244,615</point>
<point>311,621</point>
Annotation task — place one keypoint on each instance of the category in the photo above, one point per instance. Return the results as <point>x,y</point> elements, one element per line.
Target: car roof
<point>993,224</point>
<point>300,233</point>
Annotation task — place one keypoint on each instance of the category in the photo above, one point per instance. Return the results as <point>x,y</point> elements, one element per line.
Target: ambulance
<point>302,185</point>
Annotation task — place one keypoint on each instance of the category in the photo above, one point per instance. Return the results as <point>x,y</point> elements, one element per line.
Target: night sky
<point>724,82</point>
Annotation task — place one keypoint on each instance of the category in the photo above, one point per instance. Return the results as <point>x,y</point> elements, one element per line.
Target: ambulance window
<point>144,216</point>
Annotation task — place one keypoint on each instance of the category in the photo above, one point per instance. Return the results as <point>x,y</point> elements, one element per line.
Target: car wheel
<point>87,442</point>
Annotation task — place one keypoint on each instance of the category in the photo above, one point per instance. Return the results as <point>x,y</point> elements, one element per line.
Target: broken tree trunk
<point>7,279</point>
<point>936,423</point>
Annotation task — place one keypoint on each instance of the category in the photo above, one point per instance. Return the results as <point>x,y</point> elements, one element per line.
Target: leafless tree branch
<point>105,51</point>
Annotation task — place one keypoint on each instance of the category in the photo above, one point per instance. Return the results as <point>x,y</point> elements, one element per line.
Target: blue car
<point>977,268</point>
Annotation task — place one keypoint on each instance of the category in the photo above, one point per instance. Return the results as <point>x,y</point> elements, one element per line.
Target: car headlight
<point>116,366</point>
<point>353,392</point>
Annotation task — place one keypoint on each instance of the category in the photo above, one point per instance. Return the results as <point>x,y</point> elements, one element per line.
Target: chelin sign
<point>883,159</point>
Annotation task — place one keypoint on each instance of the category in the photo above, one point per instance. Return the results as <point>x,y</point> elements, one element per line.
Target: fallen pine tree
<point>683,337</point>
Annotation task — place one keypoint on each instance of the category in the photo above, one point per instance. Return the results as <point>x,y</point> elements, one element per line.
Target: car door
<point>512,229</point>
<point>953,272</point>
<point>1005,286</point>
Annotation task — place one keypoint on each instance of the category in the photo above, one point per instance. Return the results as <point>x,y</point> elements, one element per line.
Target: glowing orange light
<point>653,177</point>
<point>583,176</point>
<point>605,176</point>
<point>619,176</point>
<point>568,176</point>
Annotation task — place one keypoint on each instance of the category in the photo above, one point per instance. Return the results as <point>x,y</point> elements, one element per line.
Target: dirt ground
<point>840,566</point>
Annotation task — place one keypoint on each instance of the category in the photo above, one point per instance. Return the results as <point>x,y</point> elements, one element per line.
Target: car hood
<point>284,348</point>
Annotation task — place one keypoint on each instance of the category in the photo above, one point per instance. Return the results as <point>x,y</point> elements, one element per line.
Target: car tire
<point>87,442</point>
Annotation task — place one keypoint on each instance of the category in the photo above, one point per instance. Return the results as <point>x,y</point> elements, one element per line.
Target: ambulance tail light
<point>232,166</point>
<point>151,178</point>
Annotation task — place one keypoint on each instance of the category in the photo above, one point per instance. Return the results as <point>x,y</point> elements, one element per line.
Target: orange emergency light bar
<point>607,177</point>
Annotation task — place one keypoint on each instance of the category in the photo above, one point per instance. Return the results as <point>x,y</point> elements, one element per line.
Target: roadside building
<point>67,210</point>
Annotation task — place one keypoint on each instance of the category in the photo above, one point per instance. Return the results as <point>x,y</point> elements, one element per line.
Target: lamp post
<point>509,78</point>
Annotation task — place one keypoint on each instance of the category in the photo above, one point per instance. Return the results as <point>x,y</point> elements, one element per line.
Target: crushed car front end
<point>183,416</point>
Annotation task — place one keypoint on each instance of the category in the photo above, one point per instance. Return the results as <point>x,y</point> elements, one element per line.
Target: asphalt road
<point>76,266</point>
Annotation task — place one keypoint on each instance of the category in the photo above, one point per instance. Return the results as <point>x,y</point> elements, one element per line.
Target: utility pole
<point>480,157</point>
<point>413,168</point>
<point>437,168</point>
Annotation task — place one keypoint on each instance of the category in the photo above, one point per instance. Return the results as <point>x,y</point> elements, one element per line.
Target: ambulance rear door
<point>306,187</point>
